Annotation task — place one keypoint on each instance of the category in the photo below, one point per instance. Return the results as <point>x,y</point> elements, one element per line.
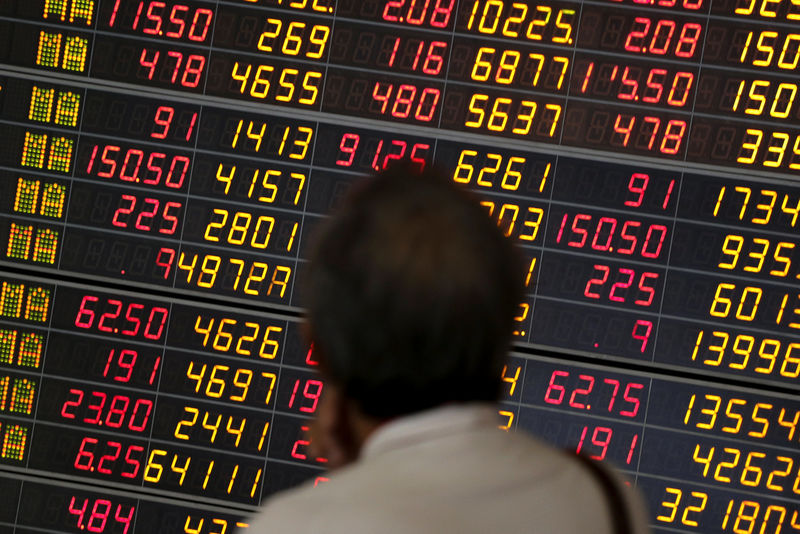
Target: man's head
<point>411,294</point>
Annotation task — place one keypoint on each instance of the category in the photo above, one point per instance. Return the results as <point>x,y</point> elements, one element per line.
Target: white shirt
<point>445,470</point>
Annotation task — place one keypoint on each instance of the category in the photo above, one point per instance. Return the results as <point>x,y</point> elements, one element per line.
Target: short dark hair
<point>411,293</point>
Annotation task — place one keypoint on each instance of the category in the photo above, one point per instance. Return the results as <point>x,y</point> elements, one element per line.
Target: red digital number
<point>676,92</point>
<point>91,450</point>
<point>312,389</point>
<point>649,129</point>
<point>646,37</point>
<point>139,166</point>
<point>405,100</point>
<point>434,56</point>
<point>348,146</point>
<point>641,332</point>
<point>310,356</point>
<point>686,4</point>
<point>638,185</point>
<point>579,398</point>
<point>156,320</point>
<point>190,74</point>
<point>418,12</point>
<point>619,289</point>
<point>148,210</point>
<point>99,514</point>
<point>163,118</point>
<point>397,149</point>
<point>599,441</point>
<point>69,404</point>
<point>114,415</point>
<point>124,364</point>
<point>600,437</point>
<point>299,446</point>
<point>605,237</point>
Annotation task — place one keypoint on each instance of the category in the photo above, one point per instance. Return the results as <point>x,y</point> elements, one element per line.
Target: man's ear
<point>333,434</point>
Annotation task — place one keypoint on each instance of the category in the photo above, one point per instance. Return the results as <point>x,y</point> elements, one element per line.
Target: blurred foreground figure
<point>411,295</point>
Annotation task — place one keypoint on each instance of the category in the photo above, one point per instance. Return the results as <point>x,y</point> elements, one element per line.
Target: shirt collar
<point>430,424</point>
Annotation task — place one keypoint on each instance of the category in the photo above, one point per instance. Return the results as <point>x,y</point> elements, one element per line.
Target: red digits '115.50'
<point>153,18</point>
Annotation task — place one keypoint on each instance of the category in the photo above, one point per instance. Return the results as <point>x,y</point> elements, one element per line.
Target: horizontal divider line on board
<point>647,368</point>
<point>123,490</point>
<point>755,175</point>
<point>220,452</point>
<point>291,313</point>
<point>722,489</point>
<point>702,14</point>
<point>279,311</point>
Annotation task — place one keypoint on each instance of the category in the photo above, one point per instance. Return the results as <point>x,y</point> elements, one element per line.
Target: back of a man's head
<point>411,294</point>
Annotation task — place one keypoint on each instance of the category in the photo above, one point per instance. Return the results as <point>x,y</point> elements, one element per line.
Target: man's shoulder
<point>308,506</point>
<point>469,479</point>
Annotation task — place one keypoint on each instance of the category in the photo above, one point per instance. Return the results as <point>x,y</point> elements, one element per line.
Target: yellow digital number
<point>272,378</point>
<point>743,351</point>
<point>225,178</point>
<point>736,454</point>
<point>512,380</point>
<point>737,417</point>
<point>511,178</point>
<point>258,272</point>
<point>498,160</point>
<point>319,38</point>
<point>749,301</point>
<point>731,250</point>
<point>482,68</point>
<point>537,25</point>
<point>292,40</point>
<point>526,118</point>
<point>673,503</point>
<point>768,352</point>
<point>181,469</point>
<point>564,25</point>
<point>751,146</point>
<point>532,224</point>
<point>270,34</point>
<point>222,341</point>
<point>261,83</point>
<point>194,412</point>
<point>216,386</point>
<point>509,419</point>
<point>507,69</point>
<point>771,483</point>
<point>780,149</point>
<point>751,474</point>
<point>242,383</point>
<point>499,116</point>
<point>153,470</point>
<point>240,230</point>
<point>514,19</point>
<point>235,431</point>
<point>479,111</point>
<point>209,425</point>
<point>268,348</point>
<point>208,271</point>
